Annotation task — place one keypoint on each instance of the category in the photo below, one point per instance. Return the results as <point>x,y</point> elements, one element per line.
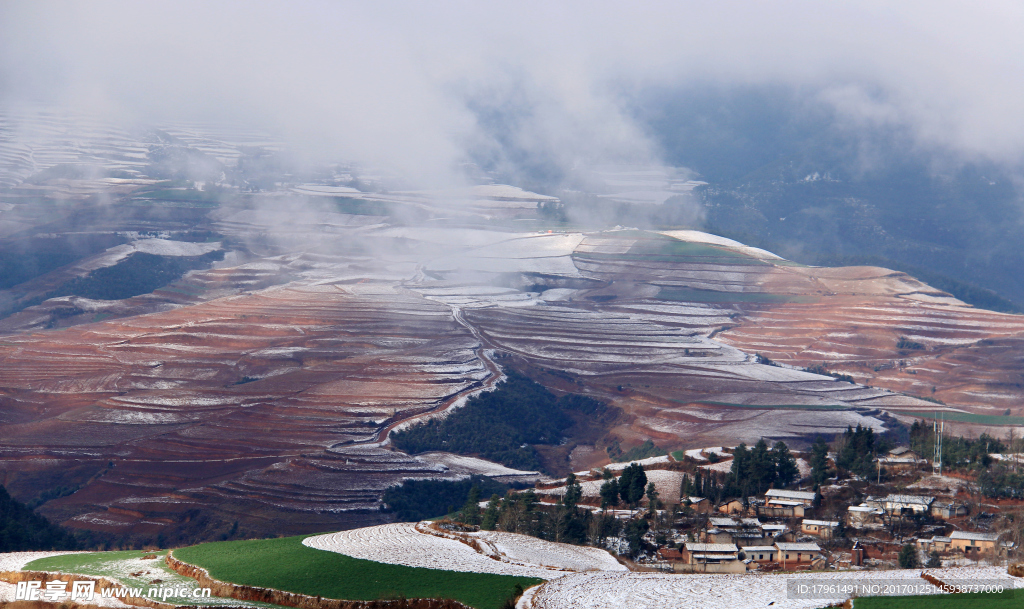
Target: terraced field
<point>261,391</point>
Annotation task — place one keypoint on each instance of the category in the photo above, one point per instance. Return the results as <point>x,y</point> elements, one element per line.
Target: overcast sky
<point>404,82</point>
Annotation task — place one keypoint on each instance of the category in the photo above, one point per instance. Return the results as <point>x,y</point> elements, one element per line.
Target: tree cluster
<point>22,530</point>
<point>755,470</point>
<point>416,500</point>
<point>629,488</point>
<point>856,451</point>
<point>501,425</point>
<point>958,452</point>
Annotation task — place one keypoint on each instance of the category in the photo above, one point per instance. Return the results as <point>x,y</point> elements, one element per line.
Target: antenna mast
<point>938,426</point>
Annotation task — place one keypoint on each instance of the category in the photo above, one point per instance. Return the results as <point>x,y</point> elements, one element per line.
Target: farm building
<point>804,497</point>
<point>819,528</point>
<point>710,558</point>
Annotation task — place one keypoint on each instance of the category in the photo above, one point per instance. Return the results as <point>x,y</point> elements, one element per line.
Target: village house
<point>777,532</point>
<point>797,554</point>
<point>759,554</point>
<point>780,508</point>
<point>945,511</point>
<point>976,545</point>
<point>902,452</point>
<point>709,558</point>
<point>734,530</point>
<point>902,504</point>
<point>819,528</point>
<point>734,506</point>
<point>937,543</point>
<point>860,515</point>
<point>804,497</point>
<point>700,505</point>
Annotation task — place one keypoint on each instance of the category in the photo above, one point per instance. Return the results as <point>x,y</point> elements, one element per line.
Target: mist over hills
<point>789,173</point>
<point>241,243</point>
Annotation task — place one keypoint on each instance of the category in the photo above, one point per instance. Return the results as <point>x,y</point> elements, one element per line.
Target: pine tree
<point>610,494</point>
<point>490,518</point>
<point>908,557</point>
<point>786,470</point>
<point>819,461</point>
<point>470,512</point>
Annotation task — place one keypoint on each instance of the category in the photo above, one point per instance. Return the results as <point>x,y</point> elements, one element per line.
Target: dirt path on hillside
<point>493,379</point>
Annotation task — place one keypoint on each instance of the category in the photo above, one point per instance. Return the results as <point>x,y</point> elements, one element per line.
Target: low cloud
<point>528,89</point>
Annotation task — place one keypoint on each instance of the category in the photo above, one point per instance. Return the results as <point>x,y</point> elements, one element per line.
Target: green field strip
<point>964,417</point>
<point>1005,600</point>
<point>286,564</point>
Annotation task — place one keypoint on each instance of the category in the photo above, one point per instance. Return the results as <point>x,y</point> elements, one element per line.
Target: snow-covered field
<point>741,591</point>
<point>666,482</point>
<point>496,552</point>
<point>15,561</point>
<point>459,464</point>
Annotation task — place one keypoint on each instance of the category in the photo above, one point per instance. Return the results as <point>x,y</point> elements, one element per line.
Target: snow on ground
<point>618,467</point>
<point>459,464</point>
<point>325,191</point>
<point>507,553</point>
<point>526,550</point>
<point>938,483</point>
<point>504,191</point>
<point>165,247</point>
<point>707,591</point>
<point>695,236</point>
<point>16,561</point>
<point>666,482</point>
<point>697,454</point>
<point>721,466</point>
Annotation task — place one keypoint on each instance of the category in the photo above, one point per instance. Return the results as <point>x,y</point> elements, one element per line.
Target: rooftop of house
<point>784,494</point>
<point>908,499</point>
<point>798,547</point>
<point>709,547</point>
<point>821,523</point>
<point>734,522</point>
<point>969,535</point>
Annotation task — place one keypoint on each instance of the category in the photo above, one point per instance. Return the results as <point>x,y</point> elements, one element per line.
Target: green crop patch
<point>286,564</point>
<point>966,417</point>
<point>1005,600</point>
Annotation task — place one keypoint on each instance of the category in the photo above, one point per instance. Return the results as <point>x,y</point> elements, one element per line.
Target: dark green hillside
<point>501,425</point>
<point>22,530</point>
